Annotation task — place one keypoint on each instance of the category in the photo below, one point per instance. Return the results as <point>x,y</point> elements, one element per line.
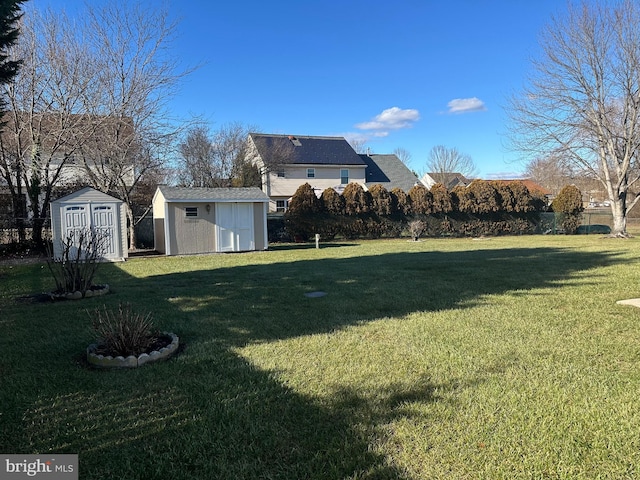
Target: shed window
<point>344,176</point>
<point>311,173</point>
<point>191,211</point>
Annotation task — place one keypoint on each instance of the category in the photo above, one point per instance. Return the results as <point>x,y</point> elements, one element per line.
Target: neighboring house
<point>190,220</point>
<point>71,149</point>
<point>90,209</point>
<point>449,179</point>
<point>85,142</point>
<point>286,162</point>
<point>390,172</point>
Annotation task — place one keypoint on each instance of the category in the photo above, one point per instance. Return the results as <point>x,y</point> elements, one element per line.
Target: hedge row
<point>482,208</point>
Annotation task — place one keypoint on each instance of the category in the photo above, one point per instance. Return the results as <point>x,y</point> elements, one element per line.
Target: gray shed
<point>189,220</point>
<point>90,208</point>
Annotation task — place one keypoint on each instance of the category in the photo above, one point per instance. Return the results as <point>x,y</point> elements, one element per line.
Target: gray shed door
<point>235,227</point>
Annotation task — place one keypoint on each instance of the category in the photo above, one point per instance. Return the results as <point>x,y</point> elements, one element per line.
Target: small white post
<point>317,240</point>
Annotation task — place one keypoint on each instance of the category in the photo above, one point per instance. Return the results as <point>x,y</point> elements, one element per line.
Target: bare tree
<point>89,104</point>
<point>196,165</point>
<point>358,144</point>
<point>136,76</point>
<point>443,161</point>
<point>582,102</point>
<point>44,122</point>
<point>403,154</point>
<point>213,159</point>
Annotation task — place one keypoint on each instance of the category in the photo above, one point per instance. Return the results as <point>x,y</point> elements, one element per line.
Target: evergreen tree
<point>421,200</point>
<point>441,199</point>
<point>10,14</point>
<point>382,204</point>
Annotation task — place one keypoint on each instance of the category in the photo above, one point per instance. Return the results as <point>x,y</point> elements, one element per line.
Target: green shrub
<point>568,203</point>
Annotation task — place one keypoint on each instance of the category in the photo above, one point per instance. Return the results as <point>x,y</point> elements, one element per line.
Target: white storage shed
<point>90,208</point>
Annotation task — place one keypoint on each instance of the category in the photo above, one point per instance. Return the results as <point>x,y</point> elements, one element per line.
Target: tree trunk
<point>618,208</point>
<point>131,227</point>
<point>36,236</point>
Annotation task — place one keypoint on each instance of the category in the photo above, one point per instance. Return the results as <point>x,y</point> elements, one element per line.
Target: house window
<point>311,173</point>
<point>344,176</point>
<point>280,172</point>
<point>191,211</point>
<point>281,206</point>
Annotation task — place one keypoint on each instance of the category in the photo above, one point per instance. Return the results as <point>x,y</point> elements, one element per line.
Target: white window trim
<point>342,176</point>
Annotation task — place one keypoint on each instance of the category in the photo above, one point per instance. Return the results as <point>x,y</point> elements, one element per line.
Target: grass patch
<point>455,358</point>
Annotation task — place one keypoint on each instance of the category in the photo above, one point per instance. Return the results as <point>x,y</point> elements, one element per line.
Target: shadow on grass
<point>256,303</point>
<point>208,413</point>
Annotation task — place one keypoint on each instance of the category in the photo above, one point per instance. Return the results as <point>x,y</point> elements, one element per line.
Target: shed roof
<point>305,150</point>
<point>87,194</point>
<point>201,194</point>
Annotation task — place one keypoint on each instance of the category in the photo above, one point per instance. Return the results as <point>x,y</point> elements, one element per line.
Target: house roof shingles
<point>307,150</point>
<point>388,171</point>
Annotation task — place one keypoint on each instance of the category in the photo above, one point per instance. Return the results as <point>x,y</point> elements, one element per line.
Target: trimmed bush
<point>401,203</point>
<point>568,203</point>
<point>441,199</point>
<point>486,198</point>
<point>356,200</point>
<point>333,202</point>
<point>421,200</point>
<point>381,200</point>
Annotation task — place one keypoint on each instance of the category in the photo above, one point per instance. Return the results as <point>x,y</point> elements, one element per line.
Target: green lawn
<point>466,359</point>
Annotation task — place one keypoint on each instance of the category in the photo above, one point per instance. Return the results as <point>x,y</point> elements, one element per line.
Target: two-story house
<point>287,161</point>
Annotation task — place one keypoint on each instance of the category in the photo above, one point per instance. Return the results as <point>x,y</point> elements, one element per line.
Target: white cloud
<point>466,105</point>
<point>393,118</point>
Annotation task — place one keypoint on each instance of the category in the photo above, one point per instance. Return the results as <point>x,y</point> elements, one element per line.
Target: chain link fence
<point>591,222</point>
<point>10,231</point>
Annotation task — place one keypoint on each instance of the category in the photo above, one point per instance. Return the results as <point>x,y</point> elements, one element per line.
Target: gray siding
<point>192,234</point>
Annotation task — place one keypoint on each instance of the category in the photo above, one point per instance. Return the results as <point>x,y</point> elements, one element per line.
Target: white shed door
<point>75,218</point>
<point>103,218</point>
<point>225,224</point>
<point>235,227</point>
<point>104,221</point>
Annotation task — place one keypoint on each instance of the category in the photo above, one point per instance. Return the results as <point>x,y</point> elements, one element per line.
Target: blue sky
<point>404,73</point>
